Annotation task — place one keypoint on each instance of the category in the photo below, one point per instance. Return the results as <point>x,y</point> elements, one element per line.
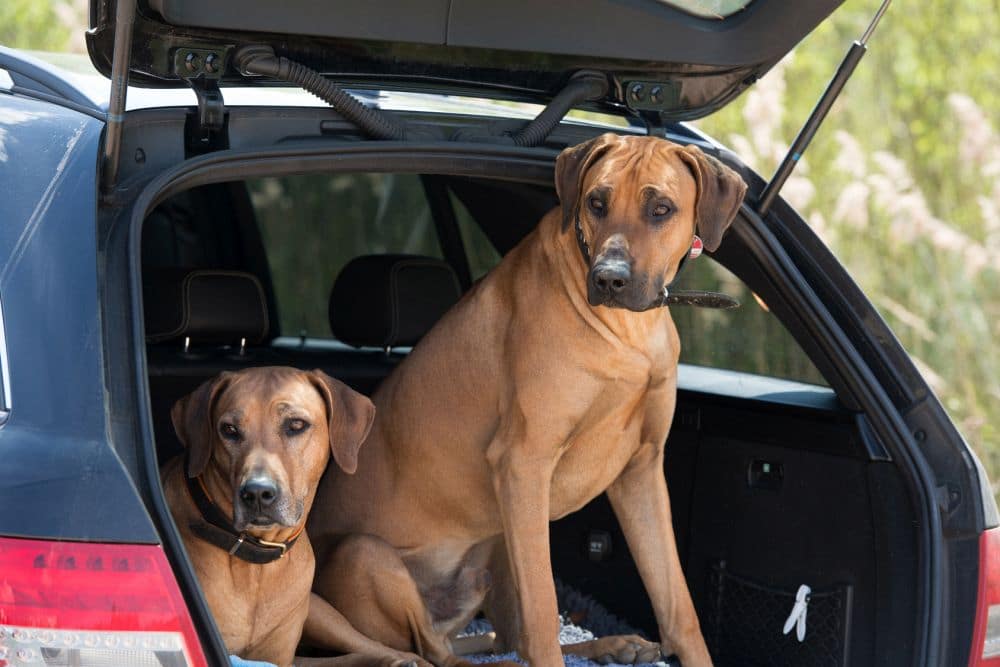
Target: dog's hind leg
<point>367,581</point>
<point>327,628</point>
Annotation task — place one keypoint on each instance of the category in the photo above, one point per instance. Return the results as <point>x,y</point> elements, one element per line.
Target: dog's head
<point>264,436</point>
<point>639,202</point>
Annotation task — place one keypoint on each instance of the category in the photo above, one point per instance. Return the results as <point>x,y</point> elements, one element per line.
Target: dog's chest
<point>608,435</point>
<point>252,602</point>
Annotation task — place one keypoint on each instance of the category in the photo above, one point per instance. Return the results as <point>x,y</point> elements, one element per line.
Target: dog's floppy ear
<point>351,415</point>
<point>720,193</point>
<point>572,165</point>
<point>192,418</point>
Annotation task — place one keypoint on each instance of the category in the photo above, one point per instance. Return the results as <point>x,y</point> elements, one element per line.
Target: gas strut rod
<point>854,54</point>
<point>124,20</point>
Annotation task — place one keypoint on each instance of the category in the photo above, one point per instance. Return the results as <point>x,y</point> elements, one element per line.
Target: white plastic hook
<point>797,618</point>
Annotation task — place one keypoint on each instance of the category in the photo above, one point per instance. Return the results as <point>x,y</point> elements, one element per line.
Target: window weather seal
<point>6,403</point>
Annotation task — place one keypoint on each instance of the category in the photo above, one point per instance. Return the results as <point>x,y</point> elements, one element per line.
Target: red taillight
<point>88,604</point>
<point>986,634</point>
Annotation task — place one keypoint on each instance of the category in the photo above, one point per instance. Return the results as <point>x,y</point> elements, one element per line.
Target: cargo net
<point>744,620</point>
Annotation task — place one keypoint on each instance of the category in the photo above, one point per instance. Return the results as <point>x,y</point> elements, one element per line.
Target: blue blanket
<point>570,660</point>
<point>240,662</point>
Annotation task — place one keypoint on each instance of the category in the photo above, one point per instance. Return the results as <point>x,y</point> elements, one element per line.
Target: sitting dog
<point>257,442</point>
<point>552,381</point>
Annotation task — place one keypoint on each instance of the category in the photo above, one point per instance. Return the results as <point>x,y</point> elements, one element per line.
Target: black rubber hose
<point>261,60</point>
<point>583,87</point>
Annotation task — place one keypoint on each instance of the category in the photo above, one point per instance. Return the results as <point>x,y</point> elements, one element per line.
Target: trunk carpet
<point>589,620</point>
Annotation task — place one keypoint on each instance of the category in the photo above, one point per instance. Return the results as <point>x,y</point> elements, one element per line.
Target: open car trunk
<point>777,476</point>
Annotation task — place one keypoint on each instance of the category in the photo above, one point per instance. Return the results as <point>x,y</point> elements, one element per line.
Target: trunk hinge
<point>851,60</point>
<point>206,130</point>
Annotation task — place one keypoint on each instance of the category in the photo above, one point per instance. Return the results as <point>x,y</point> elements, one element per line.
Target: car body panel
<point>62,478</point>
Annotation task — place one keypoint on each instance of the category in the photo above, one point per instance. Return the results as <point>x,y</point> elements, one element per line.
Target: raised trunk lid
<point>681,59</point>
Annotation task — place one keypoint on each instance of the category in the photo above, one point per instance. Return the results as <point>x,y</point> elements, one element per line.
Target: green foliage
<point>903,182</point>
<point>31,24</point>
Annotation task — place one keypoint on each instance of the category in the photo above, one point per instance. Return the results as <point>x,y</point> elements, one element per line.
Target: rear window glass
<point>313,225</point>
<point>709,9</point>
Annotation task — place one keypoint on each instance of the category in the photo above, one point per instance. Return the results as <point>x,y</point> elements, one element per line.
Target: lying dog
<point>257,443</point>
<point>552,381</point>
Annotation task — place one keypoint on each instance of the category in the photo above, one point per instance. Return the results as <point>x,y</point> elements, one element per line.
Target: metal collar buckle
<point>257,542</point>
<point>279,545</point>
<point>239,542</point>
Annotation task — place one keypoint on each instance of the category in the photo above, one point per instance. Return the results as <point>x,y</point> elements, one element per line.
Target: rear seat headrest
<point>390,300</point>
<point>206,306</point>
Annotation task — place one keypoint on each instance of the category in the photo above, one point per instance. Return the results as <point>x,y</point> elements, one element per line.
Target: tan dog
<point>257,443</point>
<point>552,381</point>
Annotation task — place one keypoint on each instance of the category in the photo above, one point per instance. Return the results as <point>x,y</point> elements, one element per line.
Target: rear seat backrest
<point>207,307</point>
<point>390,301</point>
<point>196,324</point>
<point>378,301</point>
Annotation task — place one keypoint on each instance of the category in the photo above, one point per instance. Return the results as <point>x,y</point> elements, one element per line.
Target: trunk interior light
<point>92,605</point>
<point>986,634</point>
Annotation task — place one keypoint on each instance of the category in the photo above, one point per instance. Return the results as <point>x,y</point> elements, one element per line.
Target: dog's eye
<point>662,209</point>
<point>296,426</point>
<point>229,432</point>
<point>596,205</point>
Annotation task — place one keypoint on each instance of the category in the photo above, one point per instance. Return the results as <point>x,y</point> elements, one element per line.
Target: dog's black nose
<point>258,492</point>
<point>610,278</point>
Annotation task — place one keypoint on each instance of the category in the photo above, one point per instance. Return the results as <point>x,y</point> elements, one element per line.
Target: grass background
<point>902,181</point>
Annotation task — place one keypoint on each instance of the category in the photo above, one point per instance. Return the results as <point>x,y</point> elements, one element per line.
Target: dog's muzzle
<point>260,502</point>
<point>608,279</point>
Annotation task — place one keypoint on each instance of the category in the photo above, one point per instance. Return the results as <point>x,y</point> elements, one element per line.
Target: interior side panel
<point>762,503</point>
<point>812,527</point>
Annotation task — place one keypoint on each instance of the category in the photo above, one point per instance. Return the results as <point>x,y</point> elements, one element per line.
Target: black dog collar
<point>217,529</point>
<point>669,297</point>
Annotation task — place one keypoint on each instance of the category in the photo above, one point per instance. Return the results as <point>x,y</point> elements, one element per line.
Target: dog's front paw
<point>625,650</point>
<point>405,660</point>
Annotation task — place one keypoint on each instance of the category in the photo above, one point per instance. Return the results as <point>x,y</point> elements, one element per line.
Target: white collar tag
<point>696,247</point>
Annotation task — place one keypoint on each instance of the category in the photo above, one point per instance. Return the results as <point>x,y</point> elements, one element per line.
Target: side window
<point>748,338</point>
<point>481,253</point>
<point>313,225</point>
